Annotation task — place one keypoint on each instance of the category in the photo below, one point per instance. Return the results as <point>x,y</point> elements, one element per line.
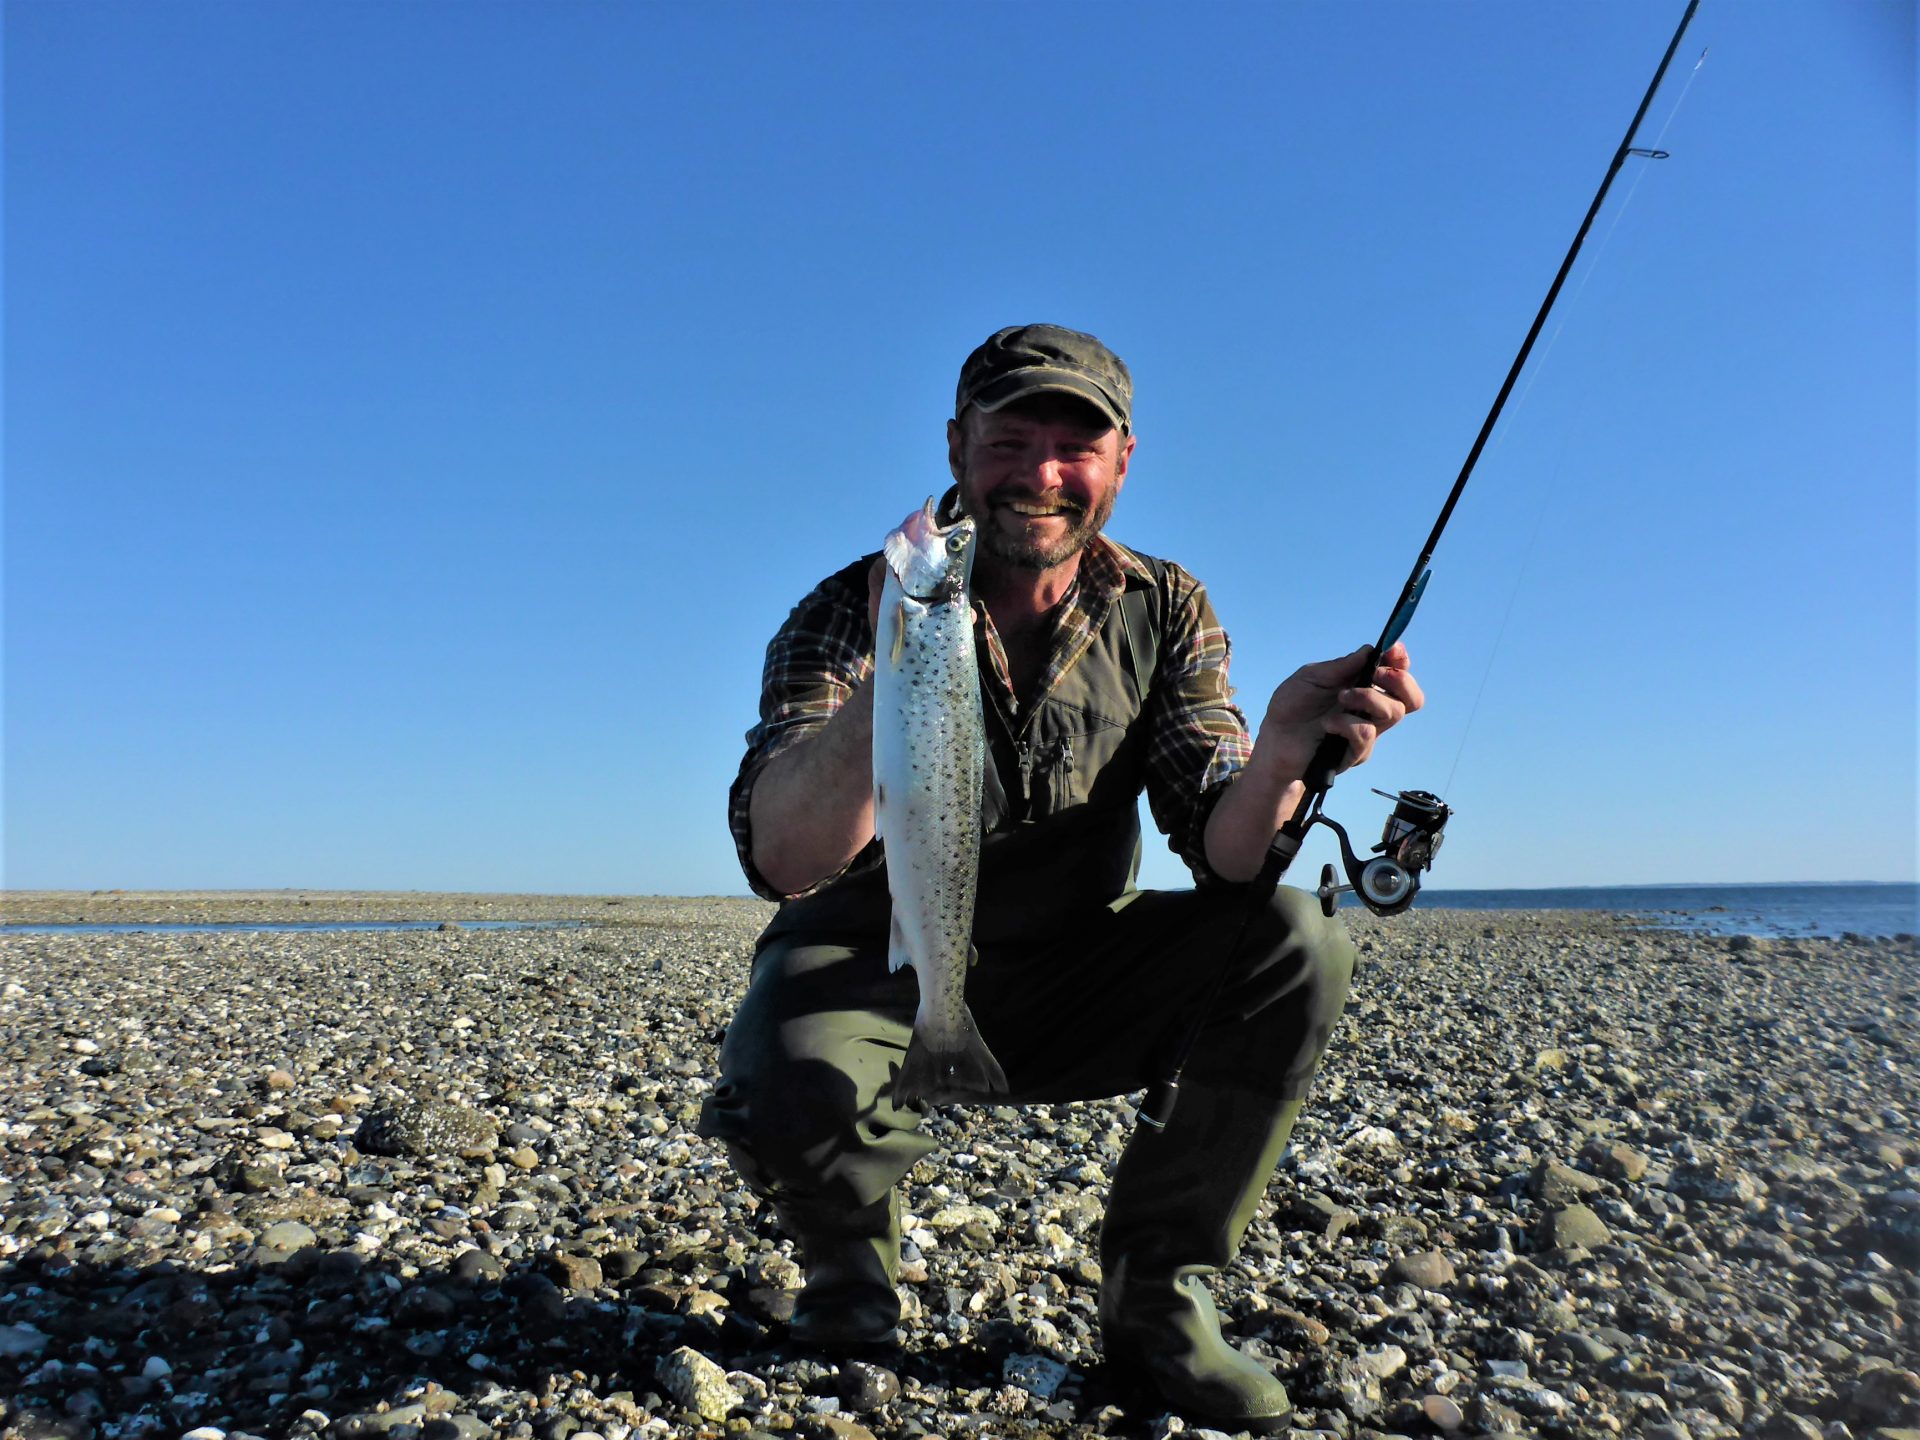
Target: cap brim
<point>1045,380</point>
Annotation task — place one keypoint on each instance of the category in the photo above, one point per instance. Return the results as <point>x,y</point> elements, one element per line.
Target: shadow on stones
<point>97,1350</point>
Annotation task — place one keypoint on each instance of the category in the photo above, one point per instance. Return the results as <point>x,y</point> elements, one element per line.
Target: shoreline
<point>1559,1176</point>
<point>112,907</point>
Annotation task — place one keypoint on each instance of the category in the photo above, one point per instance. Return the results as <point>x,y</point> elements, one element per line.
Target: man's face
<point>1039,476</point>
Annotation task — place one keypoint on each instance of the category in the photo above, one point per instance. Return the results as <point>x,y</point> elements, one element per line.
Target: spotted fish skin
<point>929,766</point>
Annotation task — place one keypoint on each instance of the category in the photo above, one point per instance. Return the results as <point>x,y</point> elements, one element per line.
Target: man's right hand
<point>812,806</point>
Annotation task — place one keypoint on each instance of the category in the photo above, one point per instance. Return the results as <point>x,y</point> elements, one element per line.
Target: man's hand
<point>1326,699</point>
<point>812,807</point>
<point>1310,704</point>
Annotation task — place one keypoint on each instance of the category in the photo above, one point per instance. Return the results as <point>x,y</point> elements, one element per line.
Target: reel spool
<point>1387,883</point>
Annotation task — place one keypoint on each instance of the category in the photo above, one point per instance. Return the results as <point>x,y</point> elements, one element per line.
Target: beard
<point>1026,551</point>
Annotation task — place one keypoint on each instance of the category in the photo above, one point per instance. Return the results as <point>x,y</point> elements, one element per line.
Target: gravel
<point>1559,1177</point>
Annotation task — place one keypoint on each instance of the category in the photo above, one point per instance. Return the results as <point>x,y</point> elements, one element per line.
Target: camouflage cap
<point>1025,360</point>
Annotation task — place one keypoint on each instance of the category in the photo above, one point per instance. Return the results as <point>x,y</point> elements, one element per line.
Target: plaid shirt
<point>1198,737</point>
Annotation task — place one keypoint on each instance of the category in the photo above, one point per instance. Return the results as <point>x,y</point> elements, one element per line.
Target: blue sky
<point>418,417</point>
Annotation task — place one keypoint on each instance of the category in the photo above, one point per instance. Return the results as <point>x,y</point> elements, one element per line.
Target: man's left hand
<point>1312,703</point>
<point>1328,699</point>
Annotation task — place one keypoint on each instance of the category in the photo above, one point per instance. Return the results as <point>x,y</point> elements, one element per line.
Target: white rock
<point>696,1382</point>
<point>1373,1137</point>
<point>1036,1374</point>
<point>1054,1242</point>
<point>952,1217</point>
<point>1385,1361</point>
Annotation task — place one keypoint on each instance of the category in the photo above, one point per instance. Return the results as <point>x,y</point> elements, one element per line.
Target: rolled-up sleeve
<point>1198,739</point>
<point>818,658</point>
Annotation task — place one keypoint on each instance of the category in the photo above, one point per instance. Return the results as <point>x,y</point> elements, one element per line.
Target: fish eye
<point>956,542</point>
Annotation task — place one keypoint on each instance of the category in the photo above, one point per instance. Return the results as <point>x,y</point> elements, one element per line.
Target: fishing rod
<point>1388,883</point>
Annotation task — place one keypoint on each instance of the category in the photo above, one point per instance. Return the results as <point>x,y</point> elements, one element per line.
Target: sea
<point>1762,910</point>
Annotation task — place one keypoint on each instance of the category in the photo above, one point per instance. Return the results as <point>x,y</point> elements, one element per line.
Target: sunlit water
<point>1773,910</point>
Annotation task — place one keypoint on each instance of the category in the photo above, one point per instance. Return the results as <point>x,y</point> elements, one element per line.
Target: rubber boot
<point>1181,1201</point>
<point>851,1259</point>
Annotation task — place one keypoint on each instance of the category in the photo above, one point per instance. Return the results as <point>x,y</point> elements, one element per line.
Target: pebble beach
<point>1561,1176</point>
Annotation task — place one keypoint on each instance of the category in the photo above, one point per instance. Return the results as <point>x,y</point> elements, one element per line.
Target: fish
<point>929,779</point>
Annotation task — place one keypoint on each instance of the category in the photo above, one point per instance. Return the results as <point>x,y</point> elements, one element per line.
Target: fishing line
<point>1513,597</point>
<point>1539,368</point>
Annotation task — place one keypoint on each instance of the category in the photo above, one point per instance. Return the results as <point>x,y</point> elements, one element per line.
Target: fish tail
<point>947,1069</point>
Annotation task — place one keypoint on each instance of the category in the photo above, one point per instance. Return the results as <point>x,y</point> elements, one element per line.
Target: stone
<point>837,1427</point>
<point>1784,1425</point>
<point>866,1387</point>
<point>1574,1225</point>
<point>1442,1413</point>
<point>957,1217</point>
<point>1429,1269</point>
<point>1617,1161</point>
<point>368,1423</point>
<point>286,1236</point>
<point>1557,1184</point>
<point>477,1267</point>
<point>696,1383</point>
<point>619,1266</point>
<point>1717,1183</point>
<point>1585,1349</point>
<point>424,1128</point>
<point>1381,1363</point>
<point>578,1273</point>
<point>1036,1374</point>
<point>19,1342</point>
<point>1886,1395</point>
<point>1317,1213</point>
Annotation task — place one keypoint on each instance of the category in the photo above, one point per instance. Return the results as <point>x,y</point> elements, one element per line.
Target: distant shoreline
<point>69,907</point>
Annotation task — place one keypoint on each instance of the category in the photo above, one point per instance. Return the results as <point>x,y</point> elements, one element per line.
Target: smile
<point>1029,507</point>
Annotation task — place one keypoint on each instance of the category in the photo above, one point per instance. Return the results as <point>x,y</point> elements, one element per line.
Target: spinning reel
<point>1387,883</point>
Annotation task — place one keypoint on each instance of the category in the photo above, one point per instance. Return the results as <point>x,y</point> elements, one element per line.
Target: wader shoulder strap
<point>1143,613</point>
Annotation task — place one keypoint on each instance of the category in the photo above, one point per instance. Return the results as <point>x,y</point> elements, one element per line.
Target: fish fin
<point>898,954</point>
<point>879,808</point>
<point>951,1069</point>
<point>973,956</point>
<point>899,552</point>
<point>899,630</point>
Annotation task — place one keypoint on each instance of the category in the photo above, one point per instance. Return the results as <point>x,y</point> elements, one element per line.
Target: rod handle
<point>1157,1108</point>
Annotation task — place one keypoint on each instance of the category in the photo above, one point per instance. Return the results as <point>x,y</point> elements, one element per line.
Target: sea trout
<point>929,767</point>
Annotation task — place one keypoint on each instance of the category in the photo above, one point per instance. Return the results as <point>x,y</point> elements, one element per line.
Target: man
<point>1102,672</point>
